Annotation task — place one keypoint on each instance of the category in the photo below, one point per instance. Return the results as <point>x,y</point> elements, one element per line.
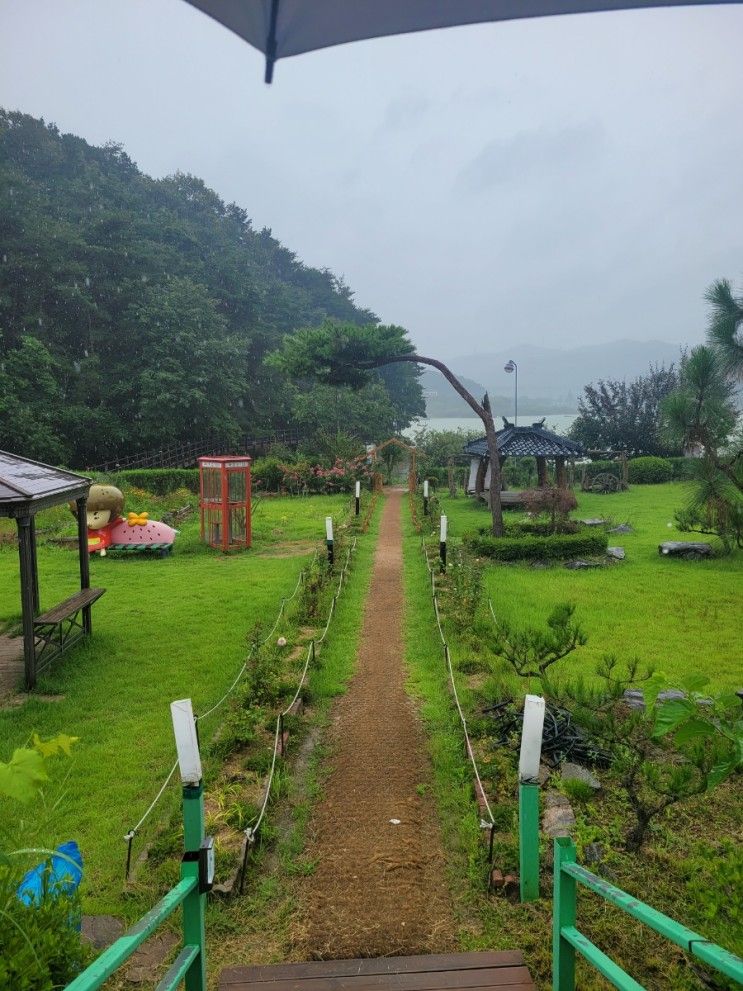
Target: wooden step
<point>432,972</point>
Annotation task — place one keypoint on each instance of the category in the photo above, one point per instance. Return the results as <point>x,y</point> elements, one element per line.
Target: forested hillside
<point>136,312</point>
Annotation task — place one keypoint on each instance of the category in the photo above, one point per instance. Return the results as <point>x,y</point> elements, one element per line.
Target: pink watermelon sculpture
<point>107,528</point>
<point>138,533</point>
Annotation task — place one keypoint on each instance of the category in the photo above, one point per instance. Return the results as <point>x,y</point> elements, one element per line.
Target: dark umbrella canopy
<point>280,28</point>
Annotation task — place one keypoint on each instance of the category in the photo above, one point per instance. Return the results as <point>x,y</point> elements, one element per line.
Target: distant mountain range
<point>550,379</point>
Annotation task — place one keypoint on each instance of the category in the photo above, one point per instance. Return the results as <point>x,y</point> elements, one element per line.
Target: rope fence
<point>251,832</point>
<point>482,797</point>
<point>132,833</point>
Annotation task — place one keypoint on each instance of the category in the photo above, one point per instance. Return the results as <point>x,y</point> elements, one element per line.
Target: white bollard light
<point>531,738</point>
<point>329,538</point>
<point>186,741</point>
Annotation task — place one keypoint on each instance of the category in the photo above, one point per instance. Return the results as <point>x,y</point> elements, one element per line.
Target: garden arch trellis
<point>374,452</point>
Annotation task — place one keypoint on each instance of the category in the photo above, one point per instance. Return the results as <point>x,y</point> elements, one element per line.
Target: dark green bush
<point>520,473</point>
<point>603,467</point>
<point>268,473</point>
<point>649,470</point>
<point>437,475</point>
<point>159,481</point>
<point>683,468</point>
<point>531,547</point>
<point>40,947</point>
<point>538,527</point>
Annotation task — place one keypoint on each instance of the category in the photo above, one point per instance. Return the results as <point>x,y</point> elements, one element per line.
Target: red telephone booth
<point>225,501</point>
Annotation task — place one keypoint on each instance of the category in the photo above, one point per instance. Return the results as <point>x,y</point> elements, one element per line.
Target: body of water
<point>557,422</point>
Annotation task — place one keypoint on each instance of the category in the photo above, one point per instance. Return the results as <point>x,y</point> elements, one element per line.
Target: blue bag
<point>60,875</point>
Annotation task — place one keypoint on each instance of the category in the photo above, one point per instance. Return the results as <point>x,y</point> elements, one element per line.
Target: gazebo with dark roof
<point>25,488</point>
<point>522,442</point>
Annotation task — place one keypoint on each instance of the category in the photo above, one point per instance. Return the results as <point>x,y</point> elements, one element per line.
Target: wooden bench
<point>58,628</point>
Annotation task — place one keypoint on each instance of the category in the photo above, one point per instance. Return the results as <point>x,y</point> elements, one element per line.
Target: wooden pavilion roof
<point>27,486</point>
<point>530,442</point>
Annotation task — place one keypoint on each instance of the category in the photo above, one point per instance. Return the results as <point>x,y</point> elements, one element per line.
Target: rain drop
<point>87,281</point>
<point>5,258</point>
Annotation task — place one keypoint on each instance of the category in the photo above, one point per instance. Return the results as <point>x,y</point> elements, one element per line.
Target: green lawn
<point>680,616</point>
<point>165,629</point>
<point>691,865</point>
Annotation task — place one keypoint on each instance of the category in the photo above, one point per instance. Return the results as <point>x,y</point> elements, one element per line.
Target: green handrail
<point>567,939</point>
<point>190,964</point>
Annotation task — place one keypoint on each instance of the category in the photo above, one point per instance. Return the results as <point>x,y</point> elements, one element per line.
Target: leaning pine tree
<point>345,354</point>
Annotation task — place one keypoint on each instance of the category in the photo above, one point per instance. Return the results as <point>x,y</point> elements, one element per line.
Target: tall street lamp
<point>509,367</point>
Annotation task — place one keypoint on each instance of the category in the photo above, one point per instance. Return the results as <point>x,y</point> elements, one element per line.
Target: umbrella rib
<point>271,41</point>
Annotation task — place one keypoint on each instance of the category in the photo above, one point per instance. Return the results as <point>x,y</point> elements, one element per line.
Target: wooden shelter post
<point>34,565</point>
<point>26,554</point>
<point>82,541</point>
<point>482,470</point>
<point>542,480</point>
<point>561,475</point>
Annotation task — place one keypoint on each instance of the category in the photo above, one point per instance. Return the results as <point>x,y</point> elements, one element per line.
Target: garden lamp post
<point>509,367</point>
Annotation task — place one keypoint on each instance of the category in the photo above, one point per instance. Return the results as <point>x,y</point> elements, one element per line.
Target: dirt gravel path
<point>379,887</point>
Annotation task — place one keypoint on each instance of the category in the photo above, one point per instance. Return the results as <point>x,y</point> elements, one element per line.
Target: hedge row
<point>159,481</point>
<point>556,547</point>
<point>650,471</point>
<point>647,470</point>
<point>269,474</point>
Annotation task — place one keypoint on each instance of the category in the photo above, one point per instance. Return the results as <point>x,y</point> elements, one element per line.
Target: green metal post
<point>194,906</point>
<point>563,916</point>
<point>529,841</point>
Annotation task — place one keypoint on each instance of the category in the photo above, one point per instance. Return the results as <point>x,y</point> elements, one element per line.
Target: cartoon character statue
<point>109,530</point>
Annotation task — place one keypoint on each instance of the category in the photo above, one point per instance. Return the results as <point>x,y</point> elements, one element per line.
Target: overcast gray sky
<point>556,181</point>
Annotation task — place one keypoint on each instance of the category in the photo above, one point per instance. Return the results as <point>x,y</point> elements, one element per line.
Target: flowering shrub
<point>304,477</point>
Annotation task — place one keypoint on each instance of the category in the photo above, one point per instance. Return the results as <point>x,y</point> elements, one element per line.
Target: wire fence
<point>132,833</point>
<point>482,796</point>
